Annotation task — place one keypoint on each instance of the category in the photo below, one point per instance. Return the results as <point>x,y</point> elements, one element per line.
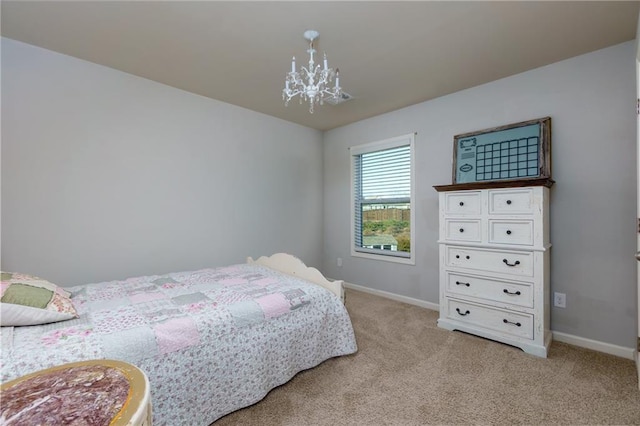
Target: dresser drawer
<point>511,201</point>
<point>462,203</point>
<point>520,294</point>
<point>503,321</point>
<point>463,230</point>
<point>517,263</point>
<point>511,232</point>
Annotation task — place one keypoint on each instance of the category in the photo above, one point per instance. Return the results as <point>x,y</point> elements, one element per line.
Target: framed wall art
<point>520,151</point>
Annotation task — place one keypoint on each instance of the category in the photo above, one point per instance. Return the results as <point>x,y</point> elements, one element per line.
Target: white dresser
<point>494,263</point>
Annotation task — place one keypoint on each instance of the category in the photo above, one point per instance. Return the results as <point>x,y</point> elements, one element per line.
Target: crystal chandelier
<point>312,84</point>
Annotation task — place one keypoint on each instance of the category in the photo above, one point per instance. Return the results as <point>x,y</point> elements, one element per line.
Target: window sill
<point>393,259</point>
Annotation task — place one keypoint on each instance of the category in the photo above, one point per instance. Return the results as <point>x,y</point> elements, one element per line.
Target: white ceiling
<point>390,54</point>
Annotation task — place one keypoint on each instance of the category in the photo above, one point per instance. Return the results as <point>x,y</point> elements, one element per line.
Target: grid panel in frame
<point>508,159</point>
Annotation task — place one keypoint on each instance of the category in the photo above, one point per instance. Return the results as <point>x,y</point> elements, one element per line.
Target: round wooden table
<point>100,391</point>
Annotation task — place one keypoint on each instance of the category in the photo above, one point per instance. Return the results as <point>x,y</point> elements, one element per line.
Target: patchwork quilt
<point>210,341</point>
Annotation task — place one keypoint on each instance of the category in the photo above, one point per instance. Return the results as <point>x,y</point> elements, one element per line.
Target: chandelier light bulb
<point>311,83</point>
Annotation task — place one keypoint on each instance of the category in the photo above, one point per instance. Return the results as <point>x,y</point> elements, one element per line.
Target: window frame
<point>379,254</point>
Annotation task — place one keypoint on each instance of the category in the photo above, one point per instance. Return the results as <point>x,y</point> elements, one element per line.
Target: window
<point>382,199</point>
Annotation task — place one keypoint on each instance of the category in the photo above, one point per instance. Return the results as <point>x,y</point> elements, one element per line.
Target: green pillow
<point>29,300</point>
<point>27,295</point>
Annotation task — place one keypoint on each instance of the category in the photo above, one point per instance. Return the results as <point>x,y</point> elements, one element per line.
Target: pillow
<point>29,300</point>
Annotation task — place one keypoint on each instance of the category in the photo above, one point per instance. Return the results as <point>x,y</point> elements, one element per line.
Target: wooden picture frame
<point>514,152</point>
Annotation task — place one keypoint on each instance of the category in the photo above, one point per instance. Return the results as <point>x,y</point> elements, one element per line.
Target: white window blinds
<point>382,197</point>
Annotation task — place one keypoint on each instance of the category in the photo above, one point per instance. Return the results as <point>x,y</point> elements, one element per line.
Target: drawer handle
<point>508,232</point>
<point>461,203</point>
<point>469,257</point>
<point>463,314</point>
<point>461,229</point>
<point>509,202</point>
<point>461,283</point>
<point>506,321</point>
<point>506,262</point>
<point>516,293</point>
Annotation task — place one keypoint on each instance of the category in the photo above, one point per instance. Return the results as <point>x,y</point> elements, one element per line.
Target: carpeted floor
<point>408,371</point>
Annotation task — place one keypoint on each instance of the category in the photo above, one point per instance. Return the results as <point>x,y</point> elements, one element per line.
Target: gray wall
<point>593,204</point>
<point>106,175</point>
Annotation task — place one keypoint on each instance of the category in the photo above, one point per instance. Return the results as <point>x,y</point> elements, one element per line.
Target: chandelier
<point>312,84</point>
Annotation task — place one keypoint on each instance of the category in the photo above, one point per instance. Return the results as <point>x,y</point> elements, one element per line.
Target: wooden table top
<point>116,389</point>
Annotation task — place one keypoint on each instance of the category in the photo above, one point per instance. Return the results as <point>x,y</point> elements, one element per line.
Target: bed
<point>210,341</point>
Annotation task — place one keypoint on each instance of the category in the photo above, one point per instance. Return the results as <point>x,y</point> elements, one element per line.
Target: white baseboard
<point>608,348</point>
<point>392,296</point>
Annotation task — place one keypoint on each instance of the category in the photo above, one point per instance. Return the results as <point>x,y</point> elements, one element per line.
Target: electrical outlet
<point>339,262</point>
<point>559,300</point>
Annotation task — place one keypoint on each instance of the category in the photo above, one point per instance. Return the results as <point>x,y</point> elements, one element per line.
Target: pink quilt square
<point>263,282</point>
<point>114,320</point>
<point>146,297</point>
<point>274,305</point>
<point>176,334</point>
<point>233,281</point>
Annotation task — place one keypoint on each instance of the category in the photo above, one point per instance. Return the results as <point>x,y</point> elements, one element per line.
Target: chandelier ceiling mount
<point>311,83</point>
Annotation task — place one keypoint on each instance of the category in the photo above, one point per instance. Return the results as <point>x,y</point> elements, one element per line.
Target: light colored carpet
<point>408,371</point>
